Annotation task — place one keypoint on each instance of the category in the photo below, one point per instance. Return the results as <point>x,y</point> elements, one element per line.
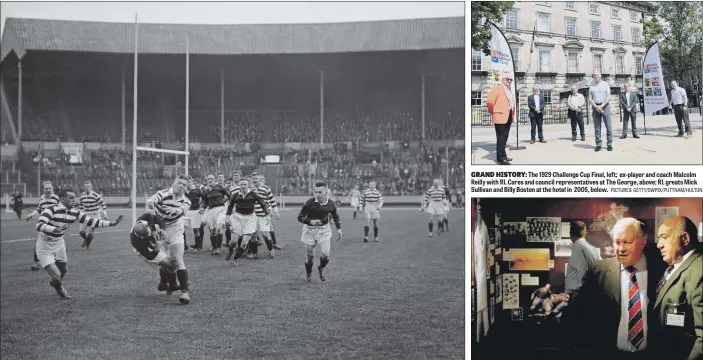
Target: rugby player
<point>215,198</point>
<point>17,203</point>
<point>315,217</point>
<point>434,205</point>
<point>233,189</point>
<point>447,205</point>
<point>371,203</point>
<point>194,217</point>
<point>150,241</point>
<point>262,180</point>
<point>52,225</point>
<point>93,205</point>
<point>263,217</point>
<point>47,199</point>
<point>353,198</point>
<point>243,220</point>
<point>172,205</point>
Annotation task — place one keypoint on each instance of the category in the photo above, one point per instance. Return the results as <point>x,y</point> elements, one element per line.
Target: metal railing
<point>553,114</point>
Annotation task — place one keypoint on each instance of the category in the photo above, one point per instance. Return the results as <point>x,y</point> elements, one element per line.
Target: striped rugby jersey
<point>434,195</point>
<point>47,201</point>
<point>91,202</point>
<point>265,193</point>
<point>355,195</point>
<point>233,190</point>
<point>371,198</point>
<point>168,207</point>
<point>58,216</point>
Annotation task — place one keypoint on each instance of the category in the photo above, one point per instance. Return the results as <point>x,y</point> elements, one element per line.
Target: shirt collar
<point>676,266</point>
<point>640,265</point>
<point>62,206</point>
<point>325,203</point>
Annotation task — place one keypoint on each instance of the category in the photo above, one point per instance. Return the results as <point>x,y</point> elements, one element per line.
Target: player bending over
<point>92,204</point>
<point>150,241</point>
<point>434,205</point>
<point>194,217</point>
<point>52,225</point>
<point>371,203</point>
<point>172,205</point>
<point>315,215</point>
<point>243,220</point>
<point>215,198</point>
<point>47,200</point>
<point>447,205</point>
<point>353,198</point>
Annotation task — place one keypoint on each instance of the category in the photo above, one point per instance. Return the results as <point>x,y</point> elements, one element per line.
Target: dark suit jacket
<point>531,104</point>
<point>634,102</point>
<point>682,343</point>
<point>599,302</point>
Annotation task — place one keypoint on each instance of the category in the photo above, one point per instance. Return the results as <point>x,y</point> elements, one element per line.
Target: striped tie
<point>635,324</point>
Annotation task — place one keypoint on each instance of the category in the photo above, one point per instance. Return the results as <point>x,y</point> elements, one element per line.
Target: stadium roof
<point>23,35</point>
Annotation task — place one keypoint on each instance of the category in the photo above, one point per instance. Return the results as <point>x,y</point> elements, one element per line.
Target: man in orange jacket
<point>501,105</point>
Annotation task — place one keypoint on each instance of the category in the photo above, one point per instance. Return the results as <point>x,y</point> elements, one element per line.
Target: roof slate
<point>394,35</point>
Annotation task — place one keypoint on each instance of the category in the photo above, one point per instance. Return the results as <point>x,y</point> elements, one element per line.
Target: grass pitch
<point>402,298</point>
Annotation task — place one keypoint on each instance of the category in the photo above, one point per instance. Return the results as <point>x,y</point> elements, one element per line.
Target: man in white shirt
<point>576,104</point>
<point>618,295</point>
<point>679,328</point>
<point>679,100</point>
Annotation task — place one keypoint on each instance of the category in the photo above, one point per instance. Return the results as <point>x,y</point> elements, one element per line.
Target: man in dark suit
<point>628,106</point>
<point>678,309</point>
<point>617,299</point>
<point>536,104</point>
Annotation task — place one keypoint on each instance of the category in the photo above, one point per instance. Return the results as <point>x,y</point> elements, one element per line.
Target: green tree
<point>482,11</point>
<point>678,26</point>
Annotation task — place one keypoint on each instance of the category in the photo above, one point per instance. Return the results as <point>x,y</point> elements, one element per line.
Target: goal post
<point>136,148</point>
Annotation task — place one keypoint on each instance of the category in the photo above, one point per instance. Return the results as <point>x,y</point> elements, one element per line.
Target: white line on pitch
<point>35,239</point>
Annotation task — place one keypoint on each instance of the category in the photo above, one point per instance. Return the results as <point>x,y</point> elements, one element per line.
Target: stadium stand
<point>362,87</point>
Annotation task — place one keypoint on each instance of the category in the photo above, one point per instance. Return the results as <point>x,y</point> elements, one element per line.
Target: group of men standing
<point>501,105</point>
<point>645,303</point>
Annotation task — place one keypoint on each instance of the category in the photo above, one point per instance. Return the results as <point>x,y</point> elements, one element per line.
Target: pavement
<point>657,147</point>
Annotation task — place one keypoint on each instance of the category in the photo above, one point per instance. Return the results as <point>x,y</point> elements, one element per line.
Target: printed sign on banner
<point>501,59</point>
<point>655,97</point>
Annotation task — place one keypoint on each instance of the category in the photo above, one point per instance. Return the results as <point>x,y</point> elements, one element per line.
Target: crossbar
<point>165,151</point>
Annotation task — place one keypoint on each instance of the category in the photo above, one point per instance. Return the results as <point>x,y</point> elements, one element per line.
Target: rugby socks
<point>446,224</point>
<point>62,268</point>
<point>440,225</point>
<point>198,240</point>
<point>202,231</point>
<point>228,236</point>
<point>375,231</point>
<point>366,231</point>
<point>183,279</point>
<point>88,240</point>
<point>308,268</point>
<point>273,236</point>
<point>431,226</point>
<point>239,241</point>
<point>163,275</point>
<point>185,241</point>
<point>36,259</point>
<point>238,253</point>
<point>354,214</point>
<point>219,240</point>
<point>213,240</point>
<point>269,243</point>
<point>323,262</point>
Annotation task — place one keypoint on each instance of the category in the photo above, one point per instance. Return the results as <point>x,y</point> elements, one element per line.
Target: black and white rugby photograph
<point>225,180</point>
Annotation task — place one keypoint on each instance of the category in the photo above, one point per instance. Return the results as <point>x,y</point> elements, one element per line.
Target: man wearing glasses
<point>501,106</point>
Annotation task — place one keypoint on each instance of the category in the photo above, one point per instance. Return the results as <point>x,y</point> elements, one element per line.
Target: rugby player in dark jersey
<point>448,202</point>
<point>243,221</point>
<point>215,198</point>
<point>147,237</point>
<point>194,217</point>
<point>315,215</point>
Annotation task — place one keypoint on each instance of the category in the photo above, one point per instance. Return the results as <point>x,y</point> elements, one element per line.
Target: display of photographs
<point>647,82</point>
<point>516,314</point>
<point>530,259</point>
<point>495,75</point>
<point>543,229</point>
<point>499,289</point>
<point>657,91</point>
<point>566,230</point>
<point>656,81</point>
<point>648,91</point>
<point>562,248</point>
<point>663,213</point>
<point>511,291</point>
<point>514,228</point>
<point>493,310</point>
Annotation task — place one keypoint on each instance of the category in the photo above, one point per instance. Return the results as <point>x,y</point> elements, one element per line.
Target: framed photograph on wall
<point>543,229</point>
<point>562,248</point>
<point>530,259</point>
<point>662,213</point>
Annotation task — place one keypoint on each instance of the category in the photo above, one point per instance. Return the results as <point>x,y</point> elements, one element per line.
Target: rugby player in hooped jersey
<point>315,215</point>
<point>48,199</point>
<point>52,225</point>
<point>243,221</point>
